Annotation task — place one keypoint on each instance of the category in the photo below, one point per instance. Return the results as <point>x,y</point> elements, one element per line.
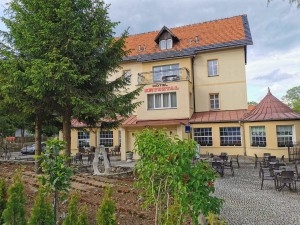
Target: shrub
<point>106,212</point>
<point>83,218</point>
<point>3,198</point>
<point>14,214</point>
<point>42,211</point>
<point>165,173</point>
<point>72,216</point>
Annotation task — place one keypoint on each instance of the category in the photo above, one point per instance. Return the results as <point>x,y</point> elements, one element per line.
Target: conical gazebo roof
<point>271,108</point>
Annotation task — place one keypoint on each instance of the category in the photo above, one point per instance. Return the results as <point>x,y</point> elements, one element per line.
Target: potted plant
<point>129,156</point>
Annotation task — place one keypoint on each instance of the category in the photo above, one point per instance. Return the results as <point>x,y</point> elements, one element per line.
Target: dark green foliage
<point>106,212</point>
<point>72,216</point>
<point>292,98</point>
<point>3,198</point>
<point>14,214</point>
<point>169,180</point>
<point>42,211</point>
<point>59,56</point>
<point>83,218</point>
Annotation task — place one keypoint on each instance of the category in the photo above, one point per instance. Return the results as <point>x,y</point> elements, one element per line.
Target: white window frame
<point>212,67</point>
<point>158,101</point>
<point>214,101</point>
<point>106,138</point>
<point>164,71</point>
<point>285,133</point>
<point>230,136</point>
<point>166,44</point>
<point>83,137</point>
<point>163,44</point>
<point>258,136</point>
<point>203,136</point>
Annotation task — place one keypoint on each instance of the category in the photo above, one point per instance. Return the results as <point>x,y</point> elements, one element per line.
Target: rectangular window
<point>203,136</point>
<point>166,73</point>
<point>162,101</point>
<point>212,66</point>
<point>106,138</point>
<point>214,101</point>
<point>230,136</point>
<point>83,138</point>
<point>120,138</point>
<point>258,136</point>
<point>169,43</point>
<point>163,44</point>
<point>127,76</point>
<point>284,136</point>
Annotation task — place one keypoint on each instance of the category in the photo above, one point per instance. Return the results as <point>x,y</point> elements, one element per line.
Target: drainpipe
<point>244,137</point>
<point>192,72</point>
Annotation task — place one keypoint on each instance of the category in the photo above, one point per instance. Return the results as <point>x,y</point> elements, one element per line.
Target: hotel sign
<point>160,88</point>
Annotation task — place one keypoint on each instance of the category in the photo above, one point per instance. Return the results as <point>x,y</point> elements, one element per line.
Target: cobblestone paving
<point>246,204</point>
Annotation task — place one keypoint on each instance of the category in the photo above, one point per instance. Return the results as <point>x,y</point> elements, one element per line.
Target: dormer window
<point>166,39</point>
<point>165,44</point>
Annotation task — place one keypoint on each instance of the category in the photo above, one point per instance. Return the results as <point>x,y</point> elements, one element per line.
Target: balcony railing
<point>164,76</point>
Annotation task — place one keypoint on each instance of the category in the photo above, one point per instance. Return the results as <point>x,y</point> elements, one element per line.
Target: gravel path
<point>246,204</point>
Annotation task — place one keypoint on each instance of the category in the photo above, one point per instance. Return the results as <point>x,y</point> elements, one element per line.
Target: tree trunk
<point>67,131</point>
<point>38,139</point>
<point>22,136</point>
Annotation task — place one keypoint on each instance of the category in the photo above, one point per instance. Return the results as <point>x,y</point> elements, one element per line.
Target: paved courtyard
<point>246,204</point>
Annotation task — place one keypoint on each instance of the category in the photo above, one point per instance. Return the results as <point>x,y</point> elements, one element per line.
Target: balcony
<point>164,76</point>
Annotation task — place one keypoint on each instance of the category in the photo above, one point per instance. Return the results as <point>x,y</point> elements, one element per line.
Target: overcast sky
<point>273,59</point>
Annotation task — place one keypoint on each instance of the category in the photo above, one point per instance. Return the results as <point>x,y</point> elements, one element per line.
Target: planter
<point>129,156</point>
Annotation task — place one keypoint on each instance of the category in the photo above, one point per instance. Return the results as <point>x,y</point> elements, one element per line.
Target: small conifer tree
<point>106,212</point>
<point>3,198</point>
<point>14,214</point>
<point>72,216</point>
<point>83,218</point>
<point>42,211</point>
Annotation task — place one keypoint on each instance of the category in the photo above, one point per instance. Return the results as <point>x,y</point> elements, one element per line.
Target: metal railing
<point>163,76</point>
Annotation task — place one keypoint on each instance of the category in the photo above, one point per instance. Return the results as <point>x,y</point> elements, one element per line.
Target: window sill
<point>161,108</point>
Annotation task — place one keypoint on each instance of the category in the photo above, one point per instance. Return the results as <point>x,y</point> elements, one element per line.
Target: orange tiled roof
<point>270,108</point>
<point>133,122</point>
<point>226,32</point>
<point>218,116</point>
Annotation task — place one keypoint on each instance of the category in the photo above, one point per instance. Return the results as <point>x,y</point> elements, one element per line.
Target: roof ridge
<point>187,25</point>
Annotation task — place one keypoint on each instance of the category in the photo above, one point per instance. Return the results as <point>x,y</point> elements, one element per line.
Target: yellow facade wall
<point>216,149</point>
<point>129,136</point>
<point>271,138</point>
<point>230,82</point>
<point>94,138</point>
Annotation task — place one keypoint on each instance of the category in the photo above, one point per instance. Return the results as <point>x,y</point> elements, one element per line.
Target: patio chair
<point>116,150</point>
<point>297,171</point>
<point>256,161</point>
<point>223,156</point>
<point>266,156</point>
<point>267,175</point>
<point>272,158</point>
<point>263,166</point>
<point>286,179</point>
<point>78,158</point>
<point>228,165</point>
<point>218,166</point>
<point>236,160</point>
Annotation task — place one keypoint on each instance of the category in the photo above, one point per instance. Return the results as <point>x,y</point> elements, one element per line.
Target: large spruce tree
<point>59,56</point>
